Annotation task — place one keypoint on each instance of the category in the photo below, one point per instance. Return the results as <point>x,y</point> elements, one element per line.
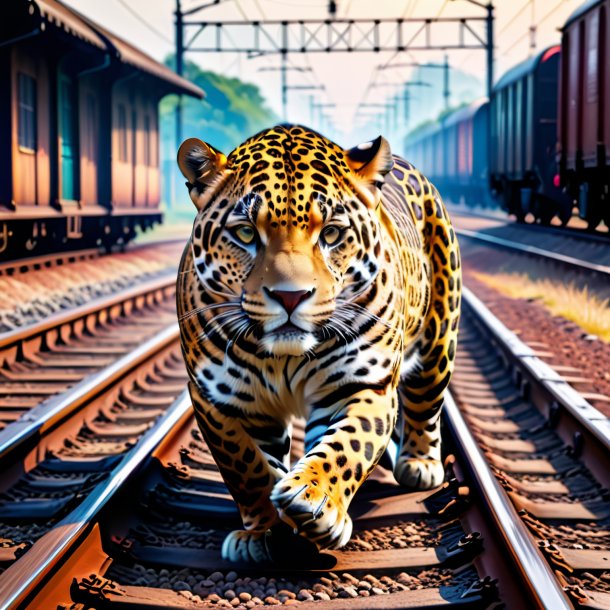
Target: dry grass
<point>589,311</point>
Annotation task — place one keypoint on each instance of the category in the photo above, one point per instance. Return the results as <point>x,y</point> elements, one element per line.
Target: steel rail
<point>69,257</point>
<point>576,233</point>
<point>531,565</point>
<point>565,396</point>
<point>14,337</point>
<point>527,249</point>
<point>46,260</point>
<point>25,576</point>
<point>27,431</point>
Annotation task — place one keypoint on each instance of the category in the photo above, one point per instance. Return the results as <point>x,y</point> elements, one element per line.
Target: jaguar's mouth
<point>288,340</point>
<point>287,329</point>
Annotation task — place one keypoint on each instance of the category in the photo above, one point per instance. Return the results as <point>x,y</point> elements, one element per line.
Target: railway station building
<point>79,126</point>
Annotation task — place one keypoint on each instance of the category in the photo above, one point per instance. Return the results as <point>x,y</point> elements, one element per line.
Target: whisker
<point>240,331</point>
<point>205,308</point>
<point>362,311</point>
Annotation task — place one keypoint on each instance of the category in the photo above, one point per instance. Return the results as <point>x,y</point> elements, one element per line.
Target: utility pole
<point>283,69</point>
<point>179,70</point>
<point>414,64</point>
<point>490,49</point>
<point>407,97</point>
<point>446,81</point>
<point>320,113</point>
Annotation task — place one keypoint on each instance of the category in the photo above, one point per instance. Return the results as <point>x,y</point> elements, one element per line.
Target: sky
<point>348,78</point>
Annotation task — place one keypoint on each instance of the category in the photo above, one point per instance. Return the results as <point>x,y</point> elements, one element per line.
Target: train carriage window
<point>122,125</point>
<point>27,111</point>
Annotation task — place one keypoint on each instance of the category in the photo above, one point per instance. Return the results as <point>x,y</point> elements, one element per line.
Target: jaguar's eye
<point>331,235</point>
<point>245,234</point>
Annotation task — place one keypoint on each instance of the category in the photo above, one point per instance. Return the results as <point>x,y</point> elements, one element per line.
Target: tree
<point>232,111</point>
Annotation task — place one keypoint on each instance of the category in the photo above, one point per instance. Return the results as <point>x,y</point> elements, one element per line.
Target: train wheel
<point>594,209</point>
<point>565,213</point>
<point>545,209</point>
<point>593,221</point>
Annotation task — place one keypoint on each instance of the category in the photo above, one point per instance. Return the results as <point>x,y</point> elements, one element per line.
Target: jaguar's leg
<point>315,495</point>
<point>250,456</point>
<point>419,465</point>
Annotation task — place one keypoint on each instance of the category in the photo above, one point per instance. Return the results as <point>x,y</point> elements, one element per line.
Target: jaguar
<point>318,283</point>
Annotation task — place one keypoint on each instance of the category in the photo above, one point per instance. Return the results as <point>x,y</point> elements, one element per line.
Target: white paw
<point>241,545</point>
<point>419,473</point>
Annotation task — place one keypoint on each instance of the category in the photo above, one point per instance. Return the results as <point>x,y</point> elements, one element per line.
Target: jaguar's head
<point>286,233</point>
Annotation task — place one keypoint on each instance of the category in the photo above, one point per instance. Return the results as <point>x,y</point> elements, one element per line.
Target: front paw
<point>310,507</point>
<point>418,472</point>
<point>246,546</point>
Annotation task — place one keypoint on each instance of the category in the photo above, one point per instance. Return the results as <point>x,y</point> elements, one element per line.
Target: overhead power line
<point>145,23</point>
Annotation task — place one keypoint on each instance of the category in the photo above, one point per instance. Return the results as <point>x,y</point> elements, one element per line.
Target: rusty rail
<point>14,338</point>
<point>23,434</point>
<point>20,580</point>
<point>554,396</point>
<point>533,568</point>
<point>570,261</point>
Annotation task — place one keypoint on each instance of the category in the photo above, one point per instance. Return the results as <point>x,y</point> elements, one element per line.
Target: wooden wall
<point>118,162</point>
<point>135,156</point>
<point>31,175</point>
<point>89,125</point>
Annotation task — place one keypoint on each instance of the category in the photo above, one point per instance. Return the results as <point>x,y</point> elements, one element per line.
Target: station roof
<point>74,23</point>
<point>62,17</point>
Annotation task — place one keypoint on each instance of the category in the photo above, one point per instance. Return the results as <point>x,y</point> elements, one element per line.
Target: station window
<point>27,111</point>
<point>122,124</point>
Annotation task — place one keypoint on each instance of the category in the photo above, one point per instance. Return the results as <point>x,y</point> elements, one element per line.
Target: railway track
<point>127,510</point>
<point>600,235</point>
<point>574,250</point>
<point>46,261</point>
<point>557,257</point>
<point>547,446</point>
<point>62,259</point>
<point>68,349</point>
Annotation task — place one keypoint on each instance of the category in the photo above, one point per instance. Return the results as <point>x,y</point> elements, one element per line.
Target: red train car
<point>584,110</point>
<point>523,113</point>
<point>79,131</point>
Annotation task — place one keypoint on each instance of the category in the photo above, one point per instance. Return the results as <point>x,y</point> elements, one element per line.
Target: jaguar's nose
<point>289,299</point>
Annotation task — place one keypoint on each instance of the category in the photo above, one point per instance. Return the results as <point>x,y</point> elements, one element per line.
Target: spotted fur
<point>358,335</point>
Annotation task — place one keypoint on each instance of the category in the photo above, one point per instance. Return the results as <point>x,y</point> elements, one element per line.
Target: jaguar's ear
<point>371,161</point>
<point>201,164</point>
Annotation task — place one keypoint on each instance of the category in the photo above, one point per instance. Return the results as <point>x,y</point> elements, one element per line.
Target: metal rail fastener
<point>562,392</point>
<point>532,567</point>
<point>22,578</point>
